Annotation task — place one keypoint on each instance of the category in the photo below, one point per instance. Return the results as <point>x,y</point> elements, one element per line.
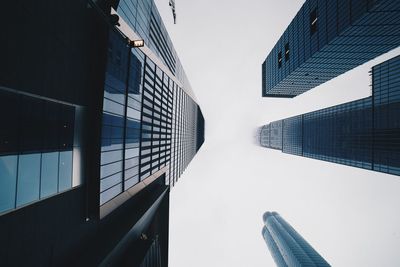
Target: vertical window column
<point>114,109</point>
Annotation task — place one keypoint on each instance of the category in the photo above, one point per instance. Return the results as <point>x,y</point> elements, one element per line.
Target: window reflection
<point>110,181</point>
<point>8,180</point>
<point>65,171</point>
<point>37,131</point>
<point>113,118</point>
<point>121,122</point>
<point>28,178</point>
<point>49,178</point>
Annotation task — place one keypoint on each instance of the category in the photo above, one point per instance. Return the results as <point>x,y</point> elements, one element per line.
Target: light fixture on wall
<point>136,43</point>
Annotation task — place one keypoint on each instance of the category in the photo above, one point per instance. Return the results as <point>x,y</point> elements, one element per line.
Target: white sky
<point>350,216</point>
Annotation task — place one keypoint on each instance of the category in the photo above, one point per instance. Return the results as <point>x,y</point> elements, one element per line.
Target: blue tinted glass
<point>131,182</point>
<point>110,193</point>
<point>109,119</point>
<point>8,180</point>
<point>65,171</point>
<point>113,107</point>
<point>110,181</point>
<point>49,179</point>
<point>111,156</point>
<point>114,95</point>
<point>134,103</point>
<point>111,144</point>
<point>131,172</point>
<point>28,178</point>
<point>109,169</point>
<point>130,153</point>
<point>129,163</point>
<point>133,113</point>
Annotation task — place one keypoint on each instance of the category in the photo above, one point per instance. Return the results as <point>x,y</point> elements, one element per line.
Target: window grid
<point>364,133</point>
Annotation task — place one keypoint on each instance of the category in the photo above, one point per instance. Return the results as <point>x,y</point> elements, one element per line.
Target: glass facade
<point>143,17</point>
<point>185,133</point>
<point>148,118</point>
<point>287,247</point>
<point>122,105</point>
<point>363,133</point>
<point>292,133</point>
<point>273,247</point>
<point>275,136</point>
<point>340,134</point>
<point>265,135</point>
<point>157,120</point>
<point>36,149</point>
<point>150,122</point>
<point>86,137</point>
<point>386,99</point>
<point>327,39</point>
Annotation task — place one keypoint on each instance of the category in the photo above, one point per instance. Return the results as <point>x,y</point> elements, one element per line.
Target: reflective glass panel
<point>65,171</point>
<point>8,180</point>
<point>28,178</point>
<point>49,179</point>
<point>110,193</point>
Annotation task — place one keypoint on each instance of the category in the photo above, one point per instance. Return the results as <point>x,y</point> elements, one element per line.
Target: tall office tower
<point>94,133</point>
<point>287,247</point>
<point>364,133</point>
<point>328,38</point>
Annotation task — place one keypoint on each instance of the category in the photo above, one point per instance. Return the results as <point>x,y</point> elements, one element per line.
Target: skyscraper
<point>95,133</point>
<point>364,133</point>
<point>287,247</point>
<point>328,38</point>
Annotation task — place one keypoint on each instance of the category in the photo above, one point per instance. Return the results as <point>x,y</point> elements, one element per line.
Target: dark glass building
<point>287,247</point>
<point>94,133</point>
<point>328,38</point>
<point>364,133</point>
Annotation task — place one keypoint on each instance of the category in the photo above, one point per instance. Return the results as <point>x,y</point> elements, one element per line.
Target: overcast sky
<point>350,216</point>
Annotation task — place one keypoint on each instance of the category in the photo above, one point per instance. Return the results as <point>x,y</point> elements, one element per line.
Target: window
<point>287,52</point>
<point>65,171</point>
<point>28,181</point>
<point>8,174</point>
<point>279,59</point>
<point>313,21</point>
<point>49,178</point>
<point>121,119</point>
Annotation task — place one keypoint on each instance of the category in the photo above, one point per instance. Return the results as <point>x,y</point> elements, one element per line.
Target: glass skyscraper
<point>364,133</point>
<point>287,247</point>
<point>95,133</point>
<point>151,121</point>
<point>328,38</point>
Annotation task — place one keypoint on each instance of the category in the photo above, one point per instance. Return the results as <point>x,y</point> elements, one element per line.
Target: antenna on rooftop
<point>172,5</point>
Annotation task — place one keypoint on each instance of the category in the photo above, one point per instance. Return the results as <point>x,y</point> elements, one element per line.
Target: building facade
<point>364,133</point>
<point>288,248</point>
<point>326,39</point>
<point>95,133</point>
